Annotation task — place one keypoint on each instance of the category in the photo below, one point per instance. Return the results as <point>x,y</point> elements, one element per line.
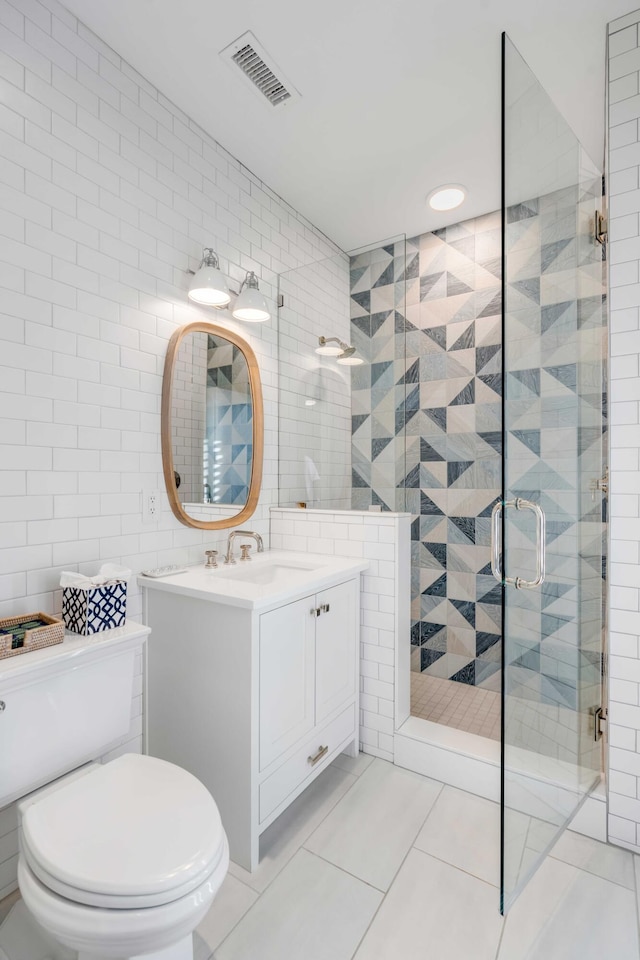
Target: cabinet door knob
<point>325,608</point>
<point>315,611</point>
<point>322,751</point>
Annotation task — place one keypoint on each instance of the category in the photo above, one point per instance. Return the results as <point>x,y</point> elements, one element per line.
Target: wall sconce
<point>209,287</point>
<point>344,353</point>
<point>208,284</point>
<point>251,305</point>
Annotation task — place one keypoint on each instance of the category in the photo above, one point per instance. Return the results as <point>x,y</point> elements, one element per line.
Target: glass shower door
<point>548,529</point>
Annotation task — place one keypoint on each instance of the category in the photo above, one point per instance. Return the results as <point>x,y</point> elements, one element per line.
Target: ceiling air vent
<point>259,70</point>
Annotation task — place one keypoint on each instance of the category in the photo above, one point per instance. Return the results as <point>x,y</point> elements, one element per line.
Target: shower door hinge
<point>601,484</point>
<point>600,726</point>
<point>600,229</point>
<point>280,300</point>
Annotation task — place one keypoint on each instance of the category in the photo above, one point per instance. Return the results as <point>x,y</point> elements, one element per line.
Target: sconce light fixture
<point>251,305</point>
<point>208,284</point>
<point>343,353</point>
<point>209,287</point>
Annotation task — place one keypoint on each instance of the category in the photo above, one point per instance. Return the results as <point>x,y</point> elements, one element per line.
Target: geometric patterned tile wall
<point>427,424</point>
<point>554,395</point>
<point>378,394</point>
<point>426,430</point>
<point>228,451</point>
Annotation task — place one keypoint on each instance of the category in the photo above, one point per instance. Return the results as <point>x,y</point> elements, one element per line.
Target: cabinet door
<point>286,677</point>
<point>336,648</point>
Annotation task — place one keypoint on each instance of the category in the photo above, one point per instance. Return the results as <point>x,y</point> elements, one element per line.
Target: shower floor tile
<point>455,704</point>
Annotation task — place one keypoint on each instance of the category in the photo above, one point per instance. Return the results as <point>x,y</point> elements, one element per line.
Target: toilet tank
<point>62,706</point>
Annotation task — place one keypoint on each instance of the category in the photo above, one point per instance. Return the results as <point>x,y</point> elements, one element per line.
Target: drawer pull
<point>325,608</point>
<point>322,751</point>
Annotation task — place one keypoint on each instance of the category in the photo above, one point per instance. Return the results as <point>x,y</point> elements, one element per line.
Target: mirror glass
<point>210,430</point>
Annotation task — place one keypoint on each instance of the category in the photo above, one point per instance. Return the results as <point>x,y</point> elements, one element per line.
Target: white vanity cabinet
<point>255,700</point>
<point>307,667</point>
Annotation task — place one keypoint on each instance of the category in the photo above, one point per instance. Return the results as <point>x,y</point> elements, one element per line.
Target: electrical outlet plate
<point>150,506</point>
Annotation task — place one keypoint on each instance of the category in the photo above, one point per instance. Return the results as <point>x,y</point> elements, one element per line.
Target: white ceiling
<point>398,96</point>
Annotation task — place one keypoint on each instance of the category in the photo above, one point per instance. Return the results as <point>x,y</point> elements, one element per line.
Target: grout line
<point>300,846</point>
<point>370,924</point>
<point>455,866</point>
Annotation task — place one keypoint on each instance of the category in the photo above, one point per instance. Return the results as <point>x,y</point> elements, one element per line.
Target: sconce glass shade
<point>251,305</point>
<point>208,285</point>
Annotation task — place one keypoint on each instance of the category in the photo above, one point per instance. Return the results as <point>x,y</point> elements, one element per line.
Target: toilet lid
<point>136,827</point>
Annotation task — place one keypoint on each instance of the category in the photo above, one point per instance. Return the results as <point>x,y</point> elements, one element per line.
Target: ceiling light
<point>447,197</point>
<point>325,350</point>
<point>251,305</point>
<point>208,285</point>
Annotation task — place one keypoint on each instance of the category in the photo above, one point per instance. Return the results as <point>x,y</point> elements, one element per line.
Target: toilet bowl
<point>123,861</point>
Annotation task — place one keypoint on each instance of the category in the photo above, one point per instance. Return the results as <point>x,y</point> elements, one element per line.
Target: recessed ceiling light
<point>447,197</point>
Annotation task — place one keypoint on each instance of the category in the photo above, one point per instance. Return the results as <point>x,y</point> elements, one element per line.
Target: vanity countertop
<point>268,579</point>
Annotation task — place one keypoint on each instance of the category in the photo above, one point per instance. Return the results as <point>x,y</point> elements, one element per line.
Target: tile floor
<point>374,862</point>
<point>456,705</point>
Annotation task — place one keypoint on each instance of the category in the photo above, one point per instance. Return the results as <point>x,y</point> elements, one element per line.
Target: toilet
<point>123,861</point>
<point>117,860</point>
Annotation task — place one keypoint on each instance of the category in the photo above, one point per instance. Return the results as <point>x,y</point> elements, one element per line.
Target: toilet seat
<point>135,833</point>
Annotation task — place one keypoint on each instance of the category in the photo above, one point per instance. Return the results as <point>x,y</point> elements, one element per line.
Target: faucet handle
<point>211,562</point>
<point>245,548</point>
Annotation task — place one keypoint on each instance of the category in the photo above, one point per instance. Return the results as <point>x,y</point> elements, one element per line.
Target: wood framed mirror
<point>212,427</point>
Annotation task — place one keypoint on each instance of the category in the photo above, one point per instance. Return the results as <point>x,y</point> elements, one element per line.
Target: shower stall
<point>480,410</point>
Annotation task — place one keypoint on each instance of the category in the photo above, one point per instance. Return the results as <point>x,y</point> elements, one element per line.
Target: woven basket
<point>35,639</point>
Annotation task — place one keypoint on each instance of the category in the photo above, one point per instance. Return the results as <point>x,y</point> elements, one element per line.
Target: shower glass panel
<point>314,410</point>
<point>342,427</point>
<point>550,526</point>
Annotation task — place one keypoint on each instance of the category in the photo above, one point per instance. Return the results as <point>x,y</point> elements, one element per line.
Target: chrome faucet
<point>242,533</point>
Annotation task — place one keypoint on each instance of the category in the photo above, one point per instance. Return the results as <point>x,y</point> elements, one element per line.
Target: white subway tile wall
<point>384,539</point>
<point>624,579</point>
<point>108,194</point>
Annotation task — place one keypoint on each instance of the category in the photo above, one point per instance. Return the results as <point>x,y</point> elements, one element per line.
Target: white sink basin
<point>264,571</point>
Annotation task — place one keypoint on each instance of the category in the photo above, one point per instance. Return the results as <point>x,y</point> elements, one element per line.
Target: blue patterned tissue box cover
<point>98,608</point>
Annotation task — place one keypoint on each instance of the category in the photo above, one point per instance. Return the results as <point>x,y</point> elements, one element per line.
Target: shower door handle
<point>541,554</point>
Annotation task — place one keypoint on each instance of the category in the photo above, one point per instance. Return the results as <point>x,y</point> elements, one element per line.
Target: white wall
<point>624,575</point>
<point>108,194</point>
